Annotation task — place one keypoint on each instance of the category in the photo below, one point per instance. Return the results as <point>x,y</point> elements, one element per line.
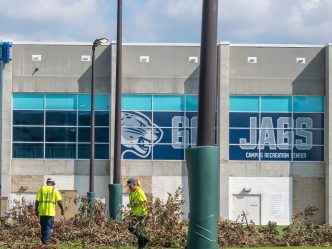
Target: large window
<point>276,128</point>
<point>58,126</point>
<point>158,127</point>
<point>154,127</point>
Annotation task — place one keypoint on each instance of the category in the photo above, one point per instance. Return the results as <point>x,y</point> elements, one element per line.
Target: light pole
<point>91,194</point>
<point>203,161</point>
<point>115,189</point>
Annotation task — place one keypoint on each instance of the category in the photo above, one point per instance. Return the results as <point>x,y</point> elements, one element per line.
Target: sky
<point>166,21</point>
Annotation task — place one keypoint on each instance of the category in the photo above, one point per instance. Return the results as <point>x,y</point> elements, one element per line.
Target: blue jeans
<point>46,224</point>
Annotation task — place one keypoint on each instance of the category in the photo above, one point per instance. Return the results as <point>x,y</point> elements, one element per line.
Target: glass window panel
<point>136,135</point>
<point>314,119</point>
<point>244,103</point>
<point>308,103</point>
<point>101,118</point>
<point>167,152</point>
<point>168,103</point>
<point>244,120</point>
<point>277,120</point>
<point>136,102</point>
<point>28,101</point>
<point>28,150</point>
<point>248,138</point>
<point>310,153</point>
<point>83,151</point>
<point>101,135</point>
<point>28,134</point>
<point>170,119</point>
<point>180,137</point>
<point>191,103</point>
<point>84,118</point>
<point>101,151</point>
<point>102,102</point>
<point>308,137</point>
<point>276,154</point>
<point>84,102</point>
<point>60,134</point>
<point>62,151</point>
<point>163,135</point>
<point>136,151</point>
<point>28,117</point>
<point>83,134</point>
<point>136,119</point>
<point>61,118</point>
<point>276,104</point>
<point>60,101</point>
<point>238,153</point>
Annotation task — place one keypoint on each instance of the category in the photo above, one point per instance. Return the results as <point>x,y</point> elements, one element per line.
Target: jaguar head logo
<point>138,133</point>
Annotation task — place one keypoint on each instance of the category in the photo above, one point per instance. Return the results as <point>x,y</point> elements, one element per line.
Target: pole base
<point>91,203</point>
<point>115,201</point>
<point>203,179</point>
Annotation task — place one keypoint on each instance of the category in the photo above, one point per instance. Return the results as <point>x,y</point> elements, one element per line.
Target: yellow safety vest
<point>47,196</point>
<point>137,203</point>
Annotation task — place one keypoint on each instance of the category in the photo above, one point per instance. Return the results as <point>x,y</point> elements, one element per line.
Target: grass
<point>77,246</point>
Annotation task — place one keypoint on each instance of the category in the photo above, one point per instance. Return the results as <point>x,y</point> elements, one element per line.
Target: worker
<point>46,199</point>
<point>138,210</point>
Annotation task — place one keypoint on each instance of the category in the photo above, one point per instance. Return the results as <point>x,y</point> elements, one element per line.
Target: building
<point>272,125</point>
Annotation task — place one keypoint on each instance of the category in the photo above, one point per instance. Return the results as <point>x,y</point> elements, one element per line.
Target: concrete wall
<point>328,137</point>
<point>5,131</point>
<point>61,68</point>
<point>276,70</point>
<point>169,69</point>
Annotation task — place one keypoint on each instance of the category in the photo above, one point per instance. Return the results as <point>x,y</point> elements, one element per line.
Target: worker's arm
<point>36,207</point>
<point>61,207</point>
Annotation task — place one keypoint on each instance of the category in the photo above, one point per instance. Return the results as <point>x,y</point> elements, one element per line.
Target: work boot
<point>142,242</point>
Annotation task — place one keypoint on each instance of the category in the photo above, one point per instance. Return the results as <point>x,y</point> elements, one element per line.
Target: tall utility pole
<point>115,189</point>
<point>203,160</point>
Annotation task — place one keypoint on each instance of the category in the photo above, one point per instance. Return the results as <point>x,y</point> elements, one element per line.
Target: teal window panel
<point>28,101</point>
<point>168,103</point>
<point>60,101</point>
<point>102,102</point>
<point>84,102</point>
<point>244,103</point>
<point>276,103</point>
<point>308,103</point>
<point>191,103</point>
<point>136,102</point>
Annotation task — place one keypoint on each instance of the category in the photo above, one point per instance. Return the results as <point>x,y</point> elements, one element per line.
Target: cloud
<point>270,21</point>
<point>56,20</point>
<point>240,21</point>
<point>162,21</point>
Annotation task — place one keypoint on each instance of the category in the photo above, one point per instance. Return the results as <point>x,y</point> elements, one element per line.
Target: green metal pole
<point>203,177</point>
<point>115,201</point>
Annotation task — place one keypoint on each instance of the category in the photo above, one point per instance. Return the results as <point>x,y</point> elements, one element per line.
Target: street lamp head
<point>100,41</point>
